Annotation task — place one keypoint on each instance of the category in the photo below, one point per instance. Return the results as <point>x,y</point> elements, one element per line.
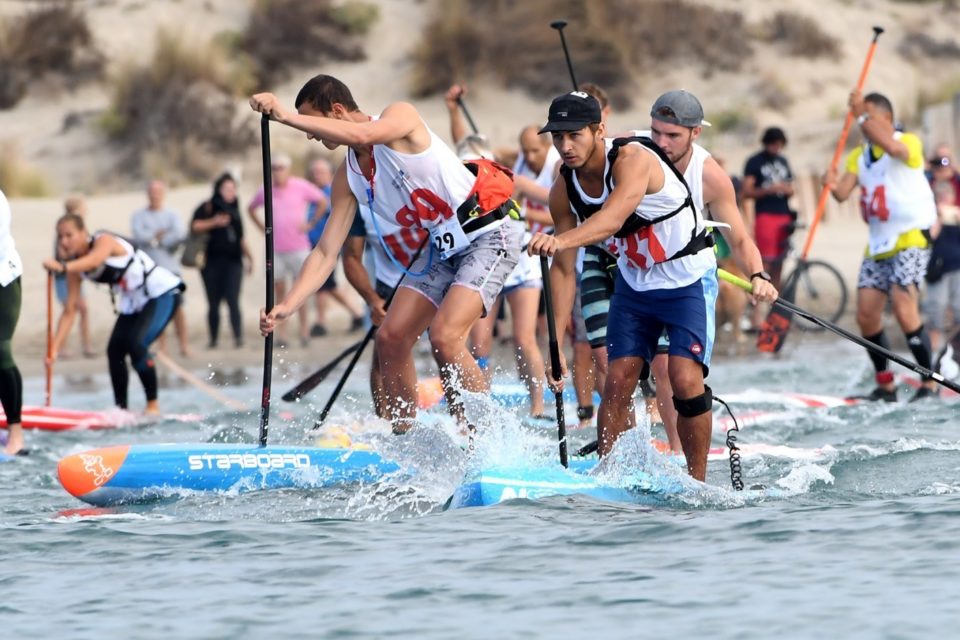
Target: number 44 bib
<point>448,238</point>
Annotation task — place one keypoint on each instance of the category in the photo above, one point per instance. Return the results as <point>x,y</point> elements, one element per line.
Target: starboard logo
<point>248,461</point>
<point>95,467</point>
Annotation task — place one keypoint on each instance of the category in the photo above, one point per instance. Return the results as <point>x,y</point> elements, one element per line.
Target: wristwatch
<point>763,275</point>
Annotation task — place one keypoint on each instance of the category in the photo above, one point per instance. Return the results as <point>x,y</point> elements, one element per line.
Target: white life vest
<point>894,198</point>
<point>134,277</point>
<point>11,265</point>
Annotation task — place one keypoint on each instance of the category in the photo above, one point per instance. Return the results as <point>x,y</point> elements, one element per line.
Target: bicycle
<point>820,288</point>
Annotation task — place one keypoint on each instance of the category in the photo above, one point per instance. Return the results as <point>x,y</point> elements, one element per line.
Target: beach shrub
<point>612,43</point>
<point>182,108</point>
<point>798,35</point>
<point>49,38</point>
<point>283,34</point>
<point>17,178</point>
<point>918,45</point>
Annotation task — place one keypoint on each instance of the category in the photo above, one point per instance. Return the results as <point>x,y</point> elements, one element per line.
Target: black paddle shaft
<point>463,107</point>
<point>556,371</point>
<point>268,265</point>
<point>559,25</point>
<point>363,345</point>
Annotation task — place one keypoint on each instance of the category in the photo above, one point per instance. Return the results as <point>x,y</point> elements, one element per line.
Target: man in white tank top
<point>667,275</point>
<point>407,176</point>
<point>676,123</point>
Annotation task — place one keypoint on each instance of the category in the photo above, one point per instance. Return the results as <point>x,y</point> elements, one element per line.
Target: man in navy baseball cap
<point>571,112</point>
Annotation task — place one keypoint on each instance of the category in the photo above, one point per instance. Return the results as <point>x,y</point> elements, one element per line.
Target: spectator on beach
<point>11,383</point>
<point>76,205</point>
<point>291,197</point>
<point>222,273</point>
<point>768,181</point>
<point>159,231</point>
<point>943,270</point>
<point>321,174</point>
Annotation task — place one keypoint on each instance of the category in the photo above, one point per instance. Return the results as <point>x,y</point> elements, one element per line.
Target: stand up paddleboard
<point>53,419</point>
<point>497,484</point>
<point>143,473</point>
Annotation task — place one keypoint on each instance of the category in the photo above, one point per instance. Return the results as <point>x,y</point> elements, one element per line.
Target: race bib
<point>448,238</point>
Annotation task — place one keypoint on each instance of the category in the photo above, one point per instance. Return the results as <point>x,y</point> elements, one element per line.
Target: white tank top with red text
<point>420,189</point>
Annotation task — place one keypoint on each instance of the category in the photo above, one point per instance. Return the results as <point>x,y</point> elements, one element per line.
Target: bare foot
<point>152,408</point>
<point>186,352</point>
<point>14,440</point>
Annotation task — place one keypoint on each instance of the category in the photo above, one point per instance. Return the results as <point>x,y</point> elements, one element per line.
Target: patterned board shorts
<point>596,289</point>
<point>483,266</point>
<point>906,268</point>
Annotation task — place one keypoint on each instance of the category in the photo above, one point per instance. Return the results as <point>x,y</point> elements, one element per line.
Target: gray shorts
<point>579,326</point>
<point>483,266</point>
<point>287,264</point>
<point>940,296</point>
<point>907,267</point>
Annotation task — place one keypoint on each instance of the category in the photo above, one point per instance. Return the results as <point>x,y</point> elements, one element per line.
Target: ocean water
<point>863,544</point>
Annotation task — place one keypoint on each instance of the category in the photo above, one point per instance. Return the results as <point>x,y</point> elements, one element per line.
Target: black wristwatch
<point>763,275</point>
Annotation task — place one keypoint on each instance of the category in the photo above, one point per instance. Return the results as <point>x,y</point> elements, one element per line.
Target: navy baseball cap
<point>571,112</point>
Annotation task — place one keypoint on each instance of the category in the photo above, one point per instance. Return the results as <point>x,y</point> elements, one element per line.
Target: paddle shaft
<point>841,144</point>
<point>559,25</point>
<point>310,382</point>
<point>363,344</point>
<point>556,371</point>
<point>866,344</point>
<point>463,107</point>
<point>48,395</point>
<point>268,266</point>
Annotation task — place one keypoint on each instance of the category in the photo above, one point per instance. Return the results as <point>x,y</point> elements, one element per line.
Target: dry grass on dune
<point>610,41</point>
<point>50,38</point>
<point>176,115</point>
<point>285,33</point>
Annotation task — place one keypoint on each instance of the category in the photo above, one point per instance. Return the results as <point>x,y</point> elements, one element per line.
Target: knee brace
<point>695,406</point>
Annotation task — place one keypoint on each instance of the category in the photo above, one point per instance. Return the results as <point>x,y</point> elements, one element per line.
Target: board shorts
<point>483,266</point>
<point>287,264</point>
<point>772,232</point>
<point>905,268</point>
<point>527,274</point>
<point>579,327</point>
<point>686,314</point>
<point>596,288</point>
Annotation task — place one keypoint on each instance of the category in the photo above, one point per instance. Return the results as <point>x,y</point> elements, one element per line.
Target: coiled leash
<point>736,470</point>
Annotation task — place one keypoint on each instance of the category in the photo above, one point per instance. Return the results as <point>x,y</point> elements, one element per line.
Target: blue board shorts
<point>686,315</point>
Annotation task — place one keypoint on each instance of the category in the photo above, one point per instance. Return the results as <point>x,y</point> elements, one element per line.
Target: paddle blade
<point>774,330</point>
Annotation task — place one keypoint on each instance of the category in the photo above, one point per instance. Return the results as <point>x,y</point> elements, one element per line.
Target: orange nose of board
<point>84,472</point>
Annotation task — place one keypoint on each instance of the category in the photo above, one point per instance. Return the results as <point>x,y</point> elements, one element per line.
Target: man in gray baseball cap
<point>679,107</point>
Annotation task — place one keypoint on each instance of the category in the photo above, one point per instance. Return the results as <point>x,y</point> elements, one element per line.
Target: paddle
<point>268,264</point>
<point>314,379</point>
<point>463,107</point>
<point>774,330</point>
<point>363,344</point>
<point>556,371</point>
<point>866,344</point>
<point>210,390</point>
<point>49,364</point>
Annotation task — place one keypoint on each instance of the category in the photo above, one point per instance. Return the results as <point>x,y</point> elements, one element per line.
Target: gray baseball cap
<point>679,107</point>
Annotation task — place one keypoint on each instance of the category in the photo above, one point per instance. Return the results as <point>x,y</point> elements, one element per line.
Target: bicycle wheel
<point>821,291</point>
